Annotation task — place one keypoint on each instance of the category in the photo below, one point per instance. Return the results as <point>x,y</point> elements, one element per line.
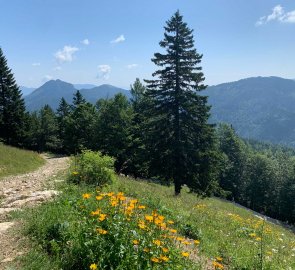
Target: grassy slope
<point>16,161</point>
<point>223,229</point>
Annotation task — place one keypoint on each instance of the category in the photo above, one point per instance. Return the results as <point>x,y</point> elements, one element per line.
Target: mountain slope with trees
<point>260,108</point>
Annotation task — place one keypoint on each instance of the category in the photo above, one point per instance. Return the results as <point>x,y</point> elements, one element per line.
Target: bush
<point>92,168</point>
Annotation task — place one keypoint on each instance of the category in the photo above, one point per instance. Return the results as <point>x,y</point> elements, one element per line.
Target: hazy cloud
<point>36,64</point>
<point>278,14</point>
<point>104,71</point>
<point>132,66</point>
<point>47,78</point>
<point>66,54</point>
<point>85,41</point>
<point>57,68</point>
<point>119,39</point>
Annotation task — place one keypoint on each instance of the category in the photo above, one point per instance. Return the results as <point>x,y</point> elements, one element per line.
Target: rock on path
<point>17,192</point>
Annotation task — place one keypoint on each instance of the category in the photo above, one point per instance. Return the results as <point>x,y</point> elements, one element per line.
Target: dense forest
<point>161,133</point>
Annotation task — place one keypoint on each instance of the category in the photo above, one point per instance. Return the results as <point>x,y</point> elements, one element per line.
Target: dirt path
<point>21,191</point>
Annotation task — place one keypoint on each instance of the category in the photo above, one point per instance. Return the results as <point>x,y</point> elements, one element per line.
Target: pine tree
<point>180,138</point>
<point>63,111</point>
<point>12,107</point>
<point>137,164</point>
<point>48,131</point>
<point>112,128</point>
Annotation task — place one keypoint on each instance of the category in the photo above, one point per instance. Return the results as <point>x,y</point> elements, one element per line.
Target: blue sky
<point>112,41</point>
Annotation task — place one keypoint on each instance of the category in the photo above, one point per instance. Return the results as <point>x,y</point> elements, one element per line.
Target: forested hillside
<point>260,108</point>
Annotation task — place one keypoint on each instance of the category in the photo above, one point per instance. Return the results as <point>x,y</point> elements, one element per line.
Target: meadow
<point>133,224</point>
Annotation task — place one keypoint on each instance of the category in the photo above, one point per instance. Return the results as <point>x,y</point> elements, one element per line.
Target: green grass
<point>16,161</point>
<point>242,240</point>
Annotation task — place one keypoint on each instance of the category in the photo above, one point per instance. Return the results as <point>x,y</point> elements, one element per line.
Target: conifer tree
<point>12,107</point>
<point>138,159</point>
<point>180,137</point>
<point>63,111</point>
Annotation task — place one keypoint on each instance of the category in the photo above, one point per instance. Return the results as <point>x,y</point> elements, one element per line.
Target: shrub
<point>92,168</point>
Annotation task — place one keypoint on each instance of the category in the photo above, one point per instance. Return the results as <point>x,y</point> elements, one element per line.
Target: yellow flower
<point>197,242</point>
<point>141,226</point>
<point>102,217</point>
<point>101,231</point>
<point>269,253</point>
<point>155,260</point>
<point>164,258</point>
<point>219,259</point>
<point>86,196</point>
<point>149,218</point>
<point>95,213</point>
<point>258,238</point>
<point>141,207</point>
<point>93,266</point>
<point>173,230</point>
<point>186,243</point>
<point>135,242</point>
<point>157,242</point>
<point>146,250</point>
<point>165,250</point>
<point>98,198</point>
<point>110,194</point>
<point>185,254</point>
<point>252,234</point>
<point>75,173</point>
<point>218,265</point>
<point>179,238</point>
<point>170,222</point>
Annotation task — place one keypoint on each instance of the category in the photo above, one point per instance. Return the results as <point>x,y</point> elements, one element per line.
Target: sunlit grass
<point>15,161</point>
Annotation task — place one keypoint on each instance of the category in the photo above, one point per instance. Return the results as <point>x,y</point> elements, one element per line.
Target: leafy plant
<point>92,168</point>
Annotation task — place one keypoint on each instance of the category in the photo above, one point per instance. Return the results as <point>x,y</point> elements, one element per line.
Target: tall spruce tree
<point>12,107</point>
<point>180,137</point>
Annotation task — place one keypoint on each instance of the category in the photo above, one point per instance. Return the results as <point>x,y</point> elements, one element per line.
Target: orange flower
<point>98,198</point>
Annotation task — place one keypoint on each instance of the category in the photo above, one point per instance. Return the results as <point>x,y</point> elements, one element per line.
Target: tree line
<point>161,133</point>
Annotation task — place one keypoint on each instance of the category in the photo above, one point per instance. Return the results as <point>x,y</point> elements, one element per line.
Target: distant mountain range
<point>261,108</point>
<point>52,91</point>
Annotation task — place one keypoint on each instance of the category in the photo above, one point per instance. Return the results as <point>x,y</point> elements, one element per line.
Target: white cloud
<point>57,68</point>
<point>119,39</point>
<point>132,66</point>
<point>278,14</point>
<point>36,64</point>
<point>104,71</point>
<point>47,78</point>
<point>85,41</point>
<point>66,54</point>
